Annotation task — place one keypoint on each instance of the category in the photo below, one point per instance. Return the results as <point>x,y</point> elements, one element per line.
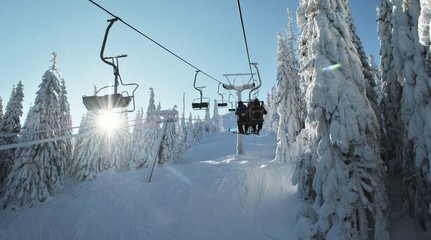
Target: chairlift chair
<point>201,103</point>
<point>231,109</point>
<point>222,103</point>
<point>115,100</point>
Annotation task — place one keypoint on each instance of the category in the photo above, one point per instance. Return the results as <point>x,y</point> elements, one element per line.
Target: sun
<point>108,121</point>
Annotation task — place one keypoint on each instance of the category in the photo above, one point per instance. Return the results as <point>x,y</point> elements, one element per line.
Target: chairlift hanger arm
<point>258,78</point>
<point>105,38</point>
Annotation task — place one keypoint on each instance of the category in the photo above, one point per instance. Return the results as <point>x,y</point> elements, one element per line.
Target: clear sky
<point>206,33</point>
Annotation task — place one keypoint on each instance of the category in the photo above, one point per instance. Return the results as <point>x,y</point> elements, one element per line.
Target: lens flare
<point>331,67</point>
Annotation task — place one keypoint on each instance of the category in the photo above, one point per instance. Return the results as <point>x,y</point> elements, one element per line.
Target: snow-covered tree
<point>272,118</point>
<point>150,132</point>
<point>38,168</point>
<point>151,103</point>
<point>119,144</point>
<point>208,124</point>
<point>410,59</point>
<point>87,152</point>
<point>287,99</point>
<point>136,158</point>
<point>188,138</point>
<point>348,190</point>
<point>66,124</point>
<point>377,78</point>
<point>392,124</point>
<point>198,131</point>
<point>10,126</point>
<point>1,108</point>
<point>169,146</point>
<point>424,26</point>
<point>217,121</point>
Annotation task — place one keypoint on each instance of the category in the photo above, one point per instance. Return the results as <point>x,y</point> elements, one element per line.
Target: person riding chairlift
<point>258,126</point>
<point>241,113</point>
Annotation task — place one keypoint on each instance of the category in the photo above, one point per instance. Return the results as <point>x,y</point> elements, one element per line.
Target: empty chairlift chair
<point>115,100</point>
<point>201,103</point>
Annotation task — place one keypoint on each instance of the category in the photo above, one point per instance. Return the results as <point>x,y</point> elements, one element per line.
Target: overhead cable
<point>154,41</point>
<point>244,35</point>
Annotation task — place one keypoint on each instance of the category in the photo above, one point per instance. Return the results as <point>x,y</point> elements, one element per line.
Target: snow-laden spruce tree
<point>151,103</point>
<point>188,138</point>
<point>169,146</point>
<point>348,197</point>
<point>1,108</point>
<point>286,99</point>
<point>377,78</point>
<point>217,121</point>
<point>151,132</point>
<point>38,168</point>
<point>208,124</point>
<point>392,124</point>
<point>66,124</point>
<point>198,131</point>
<point>118,143</point>
<point>137,142</point>
<point>410,61</point>
<point>424,29</point>
<point>10,126</point>
<point>271,119</point>
<point>87,152</point>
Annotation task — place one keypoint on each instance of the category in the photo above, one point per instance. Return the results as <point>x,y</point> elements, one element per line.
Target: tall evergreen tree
<point>10,126</point>
<point>375,71</point>
<point>348,188</point>
<point>66,124</point>
<point>287,99</point>
<point>169,145</point>
<point>87,152</point>
<point>151,131</point>
<point>410,58</point>
<point>136,156</point>
<point>119,147</point>
<point>393,127</point>
<point>38,168</point>
<point>217,121</point>
<point>1,108</point>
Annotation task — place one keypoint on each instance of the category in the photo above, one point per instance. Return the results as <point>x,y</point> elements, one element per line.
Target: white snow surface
<point>209,194</point>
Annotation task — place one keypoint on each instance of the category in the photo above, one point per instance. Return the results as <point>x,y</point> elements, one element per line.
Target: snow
<point>211,194</point>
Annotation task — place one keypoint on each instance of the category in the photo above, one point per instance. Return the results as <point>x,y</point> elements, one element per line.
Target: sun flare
<point>108,121</point>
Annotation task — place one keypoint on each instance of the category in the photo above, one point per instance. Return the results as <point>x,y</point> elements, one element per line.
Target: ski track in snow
<point>210,194</point>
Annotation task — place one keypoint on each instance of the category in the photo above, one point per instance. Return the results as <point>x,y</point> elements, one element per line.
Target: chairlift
<point>114,100</point>
<point>201,103</point>
<point>231,109</point>
<point>222,103</point>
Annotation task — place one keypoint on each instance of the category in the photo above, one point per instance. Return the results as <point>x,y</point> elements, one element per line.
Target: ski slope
<point>209,194</point>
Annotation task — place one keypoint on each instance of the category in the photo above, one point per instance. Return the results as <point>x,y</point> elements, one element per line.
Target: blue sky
<point>205,33</point>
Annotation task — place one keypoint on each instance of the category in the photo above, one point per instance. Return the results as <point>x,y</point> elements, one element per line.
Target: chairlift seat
<point>200,105</point>
<point>106,102</point>
<point>223,104</point>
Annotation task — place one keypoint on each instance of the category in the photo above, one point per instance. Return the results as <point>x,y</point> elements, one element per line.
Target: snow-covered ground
<point>209,194</point>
